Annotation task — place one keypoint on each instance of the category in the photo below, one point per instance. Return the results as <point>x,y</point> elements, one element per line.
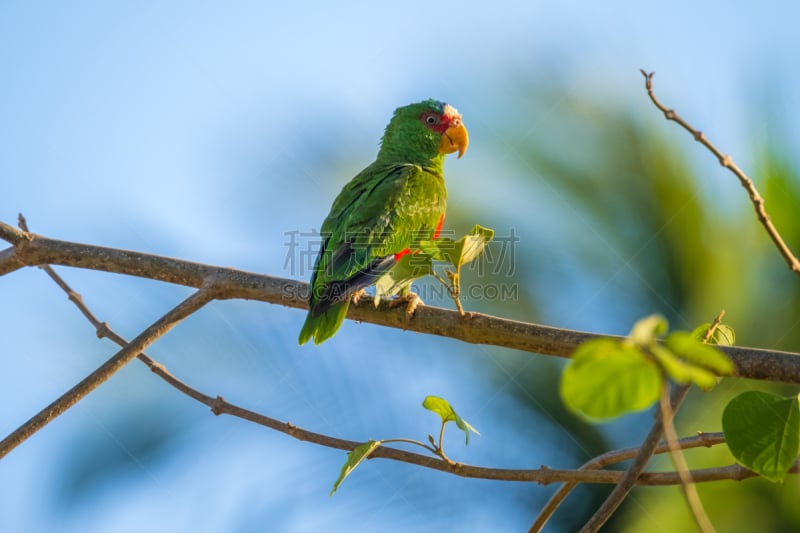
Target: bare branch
<point>107,369</point>
<point>727,162</point>
<point>701,440</point>
<point>689,490</point>
<point>474,328</point>
<point>633,473</point>
<point>712,328</point>
<point>687,483</point>
<point>543,475</point>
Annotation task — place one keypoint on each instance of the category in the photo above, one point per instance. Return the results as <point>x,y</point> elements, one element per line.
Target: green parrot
<point>384,212</point>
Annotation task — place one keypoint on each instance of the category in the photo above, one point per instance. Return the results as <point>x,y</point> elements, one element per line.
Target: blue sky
<point>206,131</point>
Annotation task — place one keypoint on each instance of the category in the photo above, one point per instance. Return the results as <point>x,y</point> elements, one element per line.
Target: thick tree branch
<point>474,328</point>
<point>726,161</point>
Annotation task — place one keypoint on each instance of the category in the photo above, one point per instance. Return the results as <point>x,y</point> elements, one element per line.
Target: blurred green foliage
<point>635,212</point>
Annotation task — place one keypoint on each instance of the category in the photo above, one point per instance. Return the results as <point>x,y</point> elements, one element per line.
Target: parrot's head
<point>425,130</point>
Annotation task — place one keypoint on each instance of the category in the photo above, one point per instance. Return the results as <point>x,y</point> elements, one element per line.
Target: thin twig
<point>601,461</point>
<point>440,447</point>
<point>410,441</point>
<point>106,370</point>
<point>689,489</point>
<point>727,162</point>
<point>475,328</point>
<point>621,491</point>
<point>543,475</point>
<point>632,474</point>
<point>712,328</point>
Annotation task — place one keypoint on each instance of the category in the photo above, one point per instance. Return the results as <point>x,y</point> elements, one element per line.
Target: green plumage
<point>388,207</point>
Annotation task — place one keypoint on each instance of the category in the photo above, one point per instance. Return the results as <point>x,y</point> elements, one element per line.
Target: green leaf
<point>763,432</point>
<point>464,250</point>
<point>401,275</point>
<point>723,334</point>
<point>681,371</point>
<point>475,243</point>
<point>645,331</point>
<point>442,407</point>
<point>354,459</point>
<point>700,331</point>
<point>684,345</point>
<point>607,378</point>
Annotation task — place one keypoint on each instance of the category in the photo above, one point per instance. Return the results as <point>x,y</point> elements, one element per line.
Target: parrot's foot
<point>411,301</point>
<point>357,296</point>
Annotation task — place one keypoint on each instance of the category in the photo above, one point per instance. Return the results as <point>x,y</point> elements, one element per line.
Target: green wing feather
<point>384,210</point>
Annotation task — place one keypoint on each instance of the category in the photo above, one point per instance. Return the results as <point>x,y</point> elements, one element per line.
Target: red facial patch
<point>435,121</point>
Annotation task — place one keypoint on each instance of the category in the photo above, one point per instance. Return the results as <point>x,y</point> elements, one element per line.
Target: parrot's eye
<point>431,119</point>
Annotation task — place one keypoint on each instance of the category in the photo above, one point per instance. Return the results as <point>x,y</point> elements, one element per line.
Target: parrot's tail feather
<point>325,325</point>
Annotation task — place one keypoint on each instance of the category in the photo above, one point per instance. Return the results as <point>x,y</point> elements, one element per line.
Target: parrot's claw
<point>357,296</point>
<point>411,300</point>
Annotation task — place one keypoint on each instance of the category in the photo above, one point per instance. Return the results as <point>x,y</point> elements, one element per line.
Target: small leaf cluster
<point>439,406</point>
<point>442,407</point>
<point>454,253</point>
<point>607,378</point>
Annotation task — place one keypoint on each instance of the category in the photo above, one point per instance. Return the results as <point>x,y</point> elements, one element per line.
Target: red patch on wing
<point>438,228</point>
<point>399,255</point>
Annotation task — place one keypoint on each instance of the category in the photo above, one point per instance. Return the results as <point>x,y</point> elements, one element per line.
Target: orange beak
<point>454,139</point>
